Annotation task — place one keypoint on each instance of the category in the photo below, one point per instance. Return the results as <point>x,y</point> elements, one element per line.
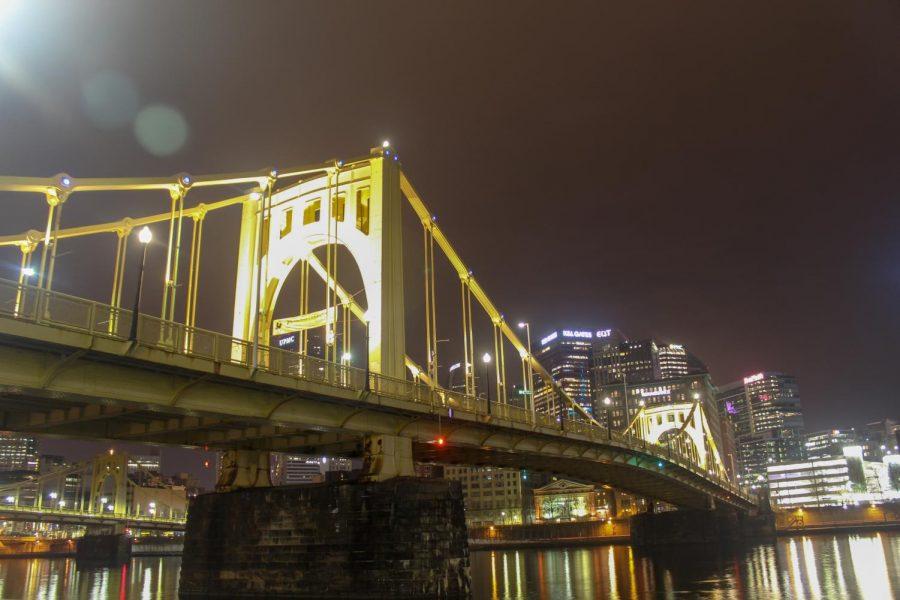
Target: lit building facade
<point>294,469</point>
<point>881,438</point>
<point>834,480</point>
<point>495,496</point>
<point>564,500</point>
<point>18,453</point>
<point>765,414</point>
<point>830,443</point>
<point>567,355</point>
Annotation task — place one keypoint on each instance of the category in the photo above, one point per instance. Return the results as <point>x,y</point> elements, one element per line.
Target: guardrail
<point>29,303</point>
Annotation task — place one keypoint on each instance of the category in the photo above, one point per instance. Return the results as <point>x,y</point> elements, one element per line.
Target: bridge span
<point>65,372</point>
<point>71,366</point>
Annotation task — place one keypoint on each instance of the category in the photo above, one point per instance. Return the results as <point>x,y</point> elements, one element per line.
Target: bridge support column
<point>103,550</point>
<point>387,456</point>
<point>692,526</point>
<point>399,538</point>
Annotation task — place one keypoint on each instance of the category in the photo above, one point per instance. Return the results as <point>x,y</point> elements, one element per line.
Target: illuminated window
<point>337,207</point>
<point>362,210</point>
<point>312,211</point>
<point>287,220</point>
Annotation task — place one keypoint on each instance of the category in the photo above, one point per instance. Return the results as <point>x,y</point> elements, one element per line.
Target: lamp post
<point>144,236</point>
<point>607,402</point>
<point>486,359</point>
<point>529,384</point>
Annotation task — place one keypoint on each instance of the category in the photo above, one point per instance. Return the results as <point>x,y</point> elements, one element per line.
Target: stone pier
<point>698,527</point>
<point>402,537</point>
<point>103,550</point>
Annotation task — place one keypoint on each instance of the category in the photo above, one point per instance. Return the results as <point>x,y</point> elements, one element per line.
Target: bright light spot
<point>53,495</point>
<point>109,507</point>
<point>10,499</point>
<point>28,272</point>
<point>103,500</point>
<point>521,325</point>
<point>152,505</point>
<point>111,451</point>
<point>144,236</point>
<point>607,401</point>
<point>440,441</point>
<point>346,356</point>
<point>160,129</point>
<point>385,144</point>
<point>255,195</point>
<point>62,503</point>
<point>486,358</point>
<point>110,99</point>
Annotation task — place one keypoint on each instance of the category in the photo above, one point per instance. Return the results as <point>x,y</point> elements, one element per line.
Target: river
<point>852,566</point>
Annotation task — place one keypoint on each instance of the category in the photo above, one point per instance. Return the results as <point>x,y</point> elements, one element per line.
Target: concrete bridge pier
<point>389,535</point>
<point>100,548</point>
<point>716,524</point>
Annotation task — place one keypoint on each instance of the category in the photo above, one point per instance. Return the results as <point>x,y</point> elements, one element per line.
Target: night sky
<point>721,175</point>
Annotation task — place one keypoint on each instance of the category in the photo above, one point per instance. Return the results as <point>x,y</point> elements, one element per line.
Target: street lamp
<point>144,237</point>
<point>607,402</point>
<point>486,359</point>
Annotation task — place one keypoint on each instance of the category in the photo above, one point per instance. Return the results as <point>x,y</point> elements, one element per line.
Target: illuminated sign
<point>548,339</point>
<point>676,346</point>
<point>604,333</point>
<point>729,407</point>
<point>577,334</point>
<point>652,393</point>
<point>752,378</point>
<point>287,342</point>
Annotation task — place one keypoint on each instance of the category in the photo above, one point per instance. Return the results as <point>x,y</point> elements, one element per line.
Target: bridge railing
<point>24,302</point>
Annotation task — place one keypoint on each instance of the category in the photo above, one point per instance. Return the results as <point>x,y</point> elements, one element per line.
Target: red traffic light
<point>440,441</point>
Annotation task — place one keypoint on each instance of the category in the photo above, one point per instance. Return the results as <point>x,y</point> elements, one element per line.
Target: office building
<point>18,454</point>
<point>838,480</point>
<point>143,462</point>
<point>830,443</point>
<point>766,417</point>
<point>567,355</point>
<point>881,438</point>
<point>495,496</point>
<point>295,469</point>
<point>619,360</point>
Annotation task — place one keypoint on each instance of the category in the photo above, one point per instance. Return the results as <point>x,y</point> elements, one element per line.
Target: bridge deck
<point>67,368</point>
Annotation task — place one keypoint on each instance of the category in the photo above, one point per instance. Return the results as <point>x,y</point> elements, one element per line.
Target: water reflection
<point>814,567</point>
<point>827,567</point>
<point>45,579</point>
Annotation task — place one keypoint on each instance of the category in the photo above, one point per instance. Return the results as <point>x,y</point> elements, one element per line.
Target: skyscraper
<point>18,455</point>
<point>567,354</point>
<point>765,413</point>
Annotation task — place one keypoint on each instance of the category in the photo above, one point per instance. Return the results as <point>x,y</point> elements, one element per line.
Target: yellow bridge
<point>77,367</point>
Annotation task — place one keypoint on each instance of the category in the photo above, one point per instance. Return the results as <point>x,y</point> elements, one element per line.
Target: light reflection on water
<point>865,566</point>
<point>147,578</point>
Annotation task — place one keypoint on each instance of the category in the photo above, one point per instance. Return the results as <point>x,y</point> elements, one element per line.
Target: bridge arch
<point>357,207</point>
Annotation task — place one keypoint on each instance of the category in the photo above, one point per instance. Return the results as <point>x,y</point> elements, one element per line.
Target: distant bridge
<point>75,367</point>
<point>95,494</point>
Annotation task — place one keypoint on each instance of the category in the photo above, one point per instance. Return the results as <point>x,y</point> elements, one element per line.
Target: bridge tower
<point>104,467</point>
<point>358,207</point>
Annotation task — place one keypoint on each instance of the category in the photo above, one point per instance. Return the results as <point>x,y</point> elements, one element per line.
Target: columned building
<point>765,413</point>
